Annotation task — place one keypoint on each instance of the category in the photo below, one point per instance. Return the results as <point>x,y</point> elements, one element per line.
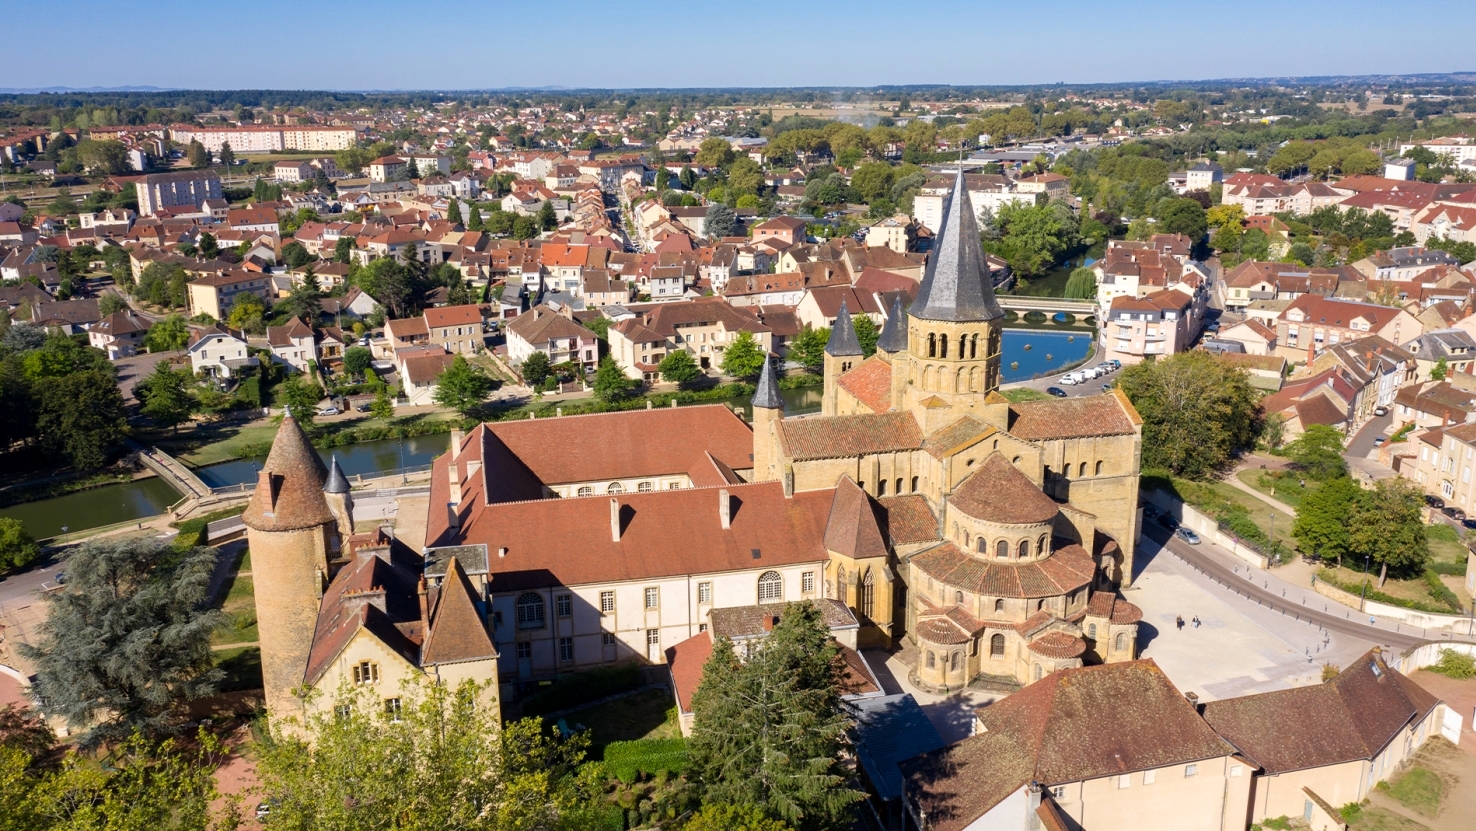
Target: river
<point>1051,345</point>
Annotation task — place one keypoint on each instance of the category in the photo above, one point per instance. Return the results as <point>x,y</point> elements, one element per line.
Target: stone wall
<point>1206,526</point>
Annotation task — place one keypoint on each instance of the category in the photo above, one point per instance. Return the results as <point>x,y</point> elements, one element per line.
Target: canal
<point>1030,347</point>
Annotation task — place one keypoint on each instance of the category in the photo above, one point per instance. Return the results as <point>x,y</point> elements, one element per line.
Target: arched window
<point>840,583</point>
<point>955,530</point>
<point>1002,549</point>
<point>1092,630</point>
<point>1038,672</point>
<point>1024,549</point>
<point>1122,641</point>
<point>1040,545</point>
<point>868,595</point>
<point>645,487</point>
<point>914,484</point>
<point>881,488</point>
<point>615,487</point>
<point>899,485</point>
<point>932,661</point>
<point>958,598</point>
<point>530,611</point>
<point>996,646</point>
<point>942,346</point>
<point>1099,468</point>
<point>999,607</point>
<point>956,656</point>
<point>770,587</point>
<point>983,546</point>
<point>974,346</point>
<point>932,345</point>
<point>586,491</point>
<point>1082,471</point>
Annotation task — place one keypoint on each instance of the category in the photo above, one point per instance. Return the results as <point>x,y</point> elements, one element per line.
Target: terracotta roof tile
<point>1057,645</point>
<point>843,436</point>
<point>870,383</point>
<point>289,490</point>
<point>1067,569</point>
<point>1064,418</point>
<point>909,519</point>
<point>457,631</point>
<point>998,492</point>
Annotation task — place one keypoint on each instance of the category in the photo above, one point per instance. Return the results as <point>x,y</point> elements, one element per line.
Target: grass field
<point>1203,495</point>
<point>242,668</point>
<point>239,605</point>
<point>1418,789</point>
<point>646,715</point>
<point>209,445</point>
<point>1286,487</point>
<point>1020,394</point>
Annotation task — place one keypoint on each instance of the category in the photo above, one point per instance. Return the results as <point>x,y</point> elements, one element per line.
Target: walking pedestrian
<point>1179,622</point>
<point>1196,621</point>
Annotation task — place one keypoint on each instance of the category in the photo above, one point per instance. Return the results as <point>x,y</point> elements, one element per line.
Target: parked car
<point>1379,442</point>
<point>1434,502</point>
<point>1469,523</point>
<point>61,578</point>
<point>1168,522</point>
<point>1106,388</point>
<point>1056,391</point>
<point>1187,536</point>
<point>1453,512</point>
<point>1149,511</point>
<point>1068,379</point>
<point>1381,411</point>
<point>328,411</point>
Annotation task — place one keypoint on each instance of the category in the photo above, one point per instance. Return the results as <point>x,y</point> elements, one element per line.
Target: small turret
<point>340,502</point>
<point>893,338</point>
<point>767,395</point>
<point>842,353</point>
<point>768,410</point>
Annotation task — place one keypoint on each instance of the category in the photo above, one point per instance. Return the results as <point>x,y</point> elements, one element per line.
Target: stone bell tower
<point>955,324</point>
<point>291,530</point>
<point>768,410</point>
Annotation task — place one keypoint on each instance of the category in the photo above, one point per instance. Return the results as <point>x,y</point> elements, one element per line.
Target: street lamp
<point>1363,595</point>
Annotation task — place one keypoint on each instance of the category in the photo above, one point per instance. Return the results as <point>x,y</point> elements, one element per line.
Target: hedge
<point>192,532</point>
<point>627,760</point>
<point>579,688</point>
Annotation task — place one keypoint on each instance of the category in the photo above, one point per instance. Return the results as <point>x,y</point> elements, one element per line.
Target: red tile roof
<point>998,492</point>
<point>1065,418</point>
<point>837,437</point>
<point>870,383</point>
<point>1067,569</point>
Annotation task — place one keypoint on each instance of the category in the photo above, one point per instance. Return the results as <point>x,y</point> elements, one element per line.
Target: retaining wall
<point>1206,526</point>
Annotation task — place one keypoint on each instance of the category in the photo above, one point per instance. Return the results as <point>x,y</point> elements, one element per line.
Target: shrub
<point>628,760</point>
<point>1280,823</point>
<point>1441,531</point>
<point>579,688</point>
<point>1453,569</point>
<point>1351,812</point>
<point>192,532</point>
<point>1453,664</point>
<point>1440,591</point>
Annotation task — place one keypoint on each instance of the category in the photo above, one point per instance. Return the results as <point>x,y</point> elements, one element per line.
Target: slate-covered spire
<point>766,397</point>
<point>843,342</point>
<point>337,482</point>
<point>956,286</point>
<point>893,336</point>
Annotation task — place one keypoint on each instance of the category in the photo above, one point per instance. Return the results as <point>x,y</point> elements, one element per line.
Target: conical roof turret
<point>766,397</point>
<point>956,286</point>
<point>843,341</point>
<point>337,482</point>
<point>289,488</point>
<point>893,336</point>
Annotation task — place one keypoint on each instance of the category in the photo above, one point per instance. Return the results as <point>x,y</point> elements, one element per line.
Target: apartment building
<point>213,294</point>
<point>541,329</point>
<point>456,328</point>
<point>266,138</point>
<point>185,188</point>
<point>703,327</point>
<point>1311,323</point>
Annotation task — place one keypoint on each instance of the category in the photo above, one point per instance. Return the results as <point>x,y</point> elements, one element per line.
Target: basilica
<point>921,508</point>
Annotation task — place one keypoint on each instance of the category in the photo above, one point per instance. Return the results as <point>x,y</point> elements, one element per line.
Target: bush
<point>1352,812</point>
<point>1440,592</point>
<point>192,532</point>
<point>1453,569</point>
<point>579,688</point>
<point>627,760</point>
<point>1452,664</point>
<point>17,548</point>
<point>1441,531</point>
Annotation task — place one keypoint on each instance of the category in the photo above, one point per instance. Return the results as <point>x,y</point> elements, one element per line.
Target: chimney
<point>424,601</point>
<point>725,509</point>
<point>1193,701</point>
<point>264,483</point>
<point>453,517</point>
<point>614,519</point>
<point>456,438</point>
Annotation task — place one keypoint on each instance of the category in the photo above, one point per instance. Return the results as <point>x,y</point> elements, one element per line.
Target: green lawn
<point>1022,394</point>
<point>242,668</point>
<point>239,606</point>
<point>1285,486</point>
<point>648,715</point>
<point>1213,496</point>
<point>1379,819</point>
<point>1418,789</point>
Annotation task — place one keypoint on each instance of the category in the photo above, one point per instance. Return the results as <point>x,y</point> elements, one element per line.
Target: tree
<point>718,221</point>
<point>610,382</point>
<point>688,178</point>
<point>453,212</point>
<point>1387,525</point>
<point>227,155</point>
<point>441,760</point>
<point>356,360</point>
<point>808,348</point>
<point>679,368</point>
<point>247,314</point>
<point>306,300</point>
<point>166,396</point>
<point>81,417</point>
<point>1082,284</point>
<point>1182,216</point>
<point>770,731</point>
<point>1197,411</point>
<point>462,387</point>
<point>342,249</point>
<point>714,152</point>
<point>1319,453</point>
<point>105,157</point>
<point>1439,370</point>
<point>524,227</point>
<point>108,303</point>
<point>744,358</point>
<point>18,549</point>
<point>301,395</point>
<point>866,333</point>
<point>535,369</point>
<point>474,219</point>
<point>383,407</point>
<point>1032,237</point>
<point>663,179</point>
<point>1321,526</point>
<point>547,218</point>
<point>168,334</point>
<point>127,642</point>
<point>715,817</point>
<point>197,154</point>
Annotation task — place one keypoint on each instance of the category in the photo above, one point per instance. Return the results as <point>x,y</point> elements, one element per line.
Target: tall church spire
<point>843,342</point>
<point>956,286</point>
<point>894,334</point>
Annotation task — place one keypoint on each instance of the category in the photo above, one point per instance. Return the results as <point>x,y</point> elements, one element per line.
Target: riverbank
<point>61,484</point>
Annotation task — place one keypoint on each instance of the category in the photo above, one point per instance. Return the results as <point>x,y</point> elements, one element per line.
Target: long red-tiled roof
<point>1064,571</point>
<point>845,436</point>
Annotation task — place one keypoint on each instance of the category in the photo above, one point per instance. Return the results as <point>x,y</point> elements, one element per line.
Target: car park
<point>1056,391</point>
<point>1069,380</point>
<point>1187,536</point>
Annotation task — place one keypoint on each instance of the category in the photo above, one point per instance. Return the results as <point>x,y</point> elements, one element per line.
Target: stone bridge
<point>1023,304</point>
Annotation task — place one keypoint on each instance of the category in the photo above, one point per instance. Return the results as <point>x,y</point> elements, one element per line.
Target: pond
<point>1027,353</point>
<point>366,458</point>
<point>94,508</point>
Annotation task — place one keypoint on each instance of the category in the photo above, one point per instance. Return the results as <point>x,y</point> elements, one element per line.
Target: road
<point>1362,442</point>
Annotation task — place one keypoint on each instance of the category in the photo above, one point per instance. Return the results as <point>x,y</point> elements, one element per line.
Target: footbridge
<point>1024,304</point>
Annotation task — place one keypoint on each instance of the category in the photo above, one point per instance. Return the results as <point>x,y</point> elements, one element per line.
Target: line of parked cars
<point>1085,374</point>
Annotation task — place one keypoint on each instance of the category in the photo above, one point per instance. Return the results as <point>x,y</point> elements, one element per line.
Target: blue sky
<point>448,44</point>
